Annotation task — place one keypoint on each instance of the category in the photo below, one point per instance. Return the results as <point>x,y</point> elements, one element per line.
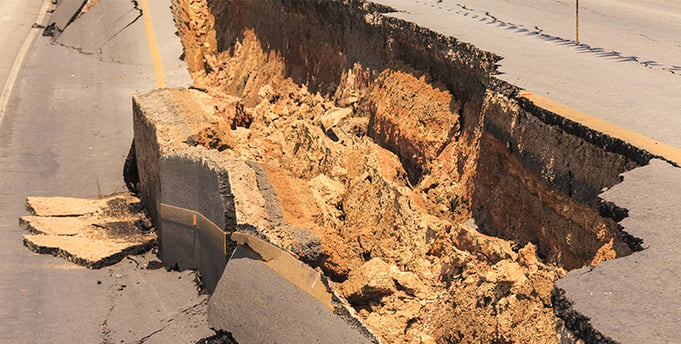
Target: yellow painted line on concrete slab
<point>153,46</point>
<point>654,147</point>
<point>279,261</point>
<point>288,267</point>
<point>194,219</point>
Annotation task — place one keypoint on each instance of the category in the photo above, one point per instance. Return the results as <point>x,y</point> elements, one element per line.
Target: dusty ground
<point>379,171</point>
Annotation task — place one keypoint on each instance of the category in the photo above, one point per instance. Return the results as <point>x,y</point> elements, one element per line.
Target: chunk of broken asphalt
<point>90,232</point>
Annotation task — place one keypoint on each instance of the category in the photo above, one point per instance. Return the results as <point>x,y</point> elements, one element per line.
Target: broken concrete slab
<point>245,304</point>
<point>88,252</point>
<point>107,30</point>
<point>68,206</point>
<point>188,183</point>
<point>89,232</point>
<point>633,299</point>
<point>63,226</point>
<point>63,15</point>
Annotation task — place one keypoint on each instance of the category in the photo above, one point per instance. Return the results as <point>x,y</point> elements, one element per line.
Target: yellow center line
<point>153,46</point>
<point>654,147</point>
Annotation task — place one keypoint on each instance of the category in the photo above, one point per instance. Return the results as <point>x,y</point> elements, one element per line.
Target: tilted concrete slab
<point>109,30</point>
<point>187,182</point>
<point>257,305</point>
<point>66,11</point>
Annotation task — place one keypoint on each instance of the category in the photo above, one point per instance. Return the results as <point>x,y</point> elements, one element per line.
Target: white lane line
<point>14,71</point>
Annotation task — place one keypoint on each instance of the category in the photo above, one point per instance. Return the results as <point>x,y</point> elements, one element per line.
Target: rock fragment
<point>370,281</point>
<point>334,116</point>
<point>506,272</point>
<point>409,282</point>
<point>327,189</point>
<point>492,248</point>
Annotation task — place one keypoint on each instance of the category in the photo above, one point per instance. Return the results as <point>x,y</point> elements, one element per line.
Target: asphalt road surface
<point>65,132</point>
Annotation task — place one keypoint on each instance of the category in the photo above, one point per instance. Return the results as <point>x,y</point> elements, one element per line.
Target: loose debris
<point>91,232</point>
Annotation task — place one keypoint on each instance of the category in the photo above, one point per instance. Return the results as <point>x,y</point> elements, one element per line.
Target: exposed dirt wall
<point>540,184</point>
<point>315,50</point>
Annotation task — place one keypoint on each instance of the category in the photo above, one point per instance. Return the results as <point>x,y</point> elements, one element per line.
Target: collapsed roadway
<point>360,173</point>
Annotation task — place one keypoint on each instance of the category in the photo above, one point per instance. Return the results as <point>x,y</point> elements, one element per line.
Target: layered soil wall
<point>401,155</point>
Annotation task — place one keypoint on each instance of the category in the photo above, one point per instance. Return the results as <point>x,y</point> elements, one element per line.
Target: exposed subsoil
<point>382,172</point>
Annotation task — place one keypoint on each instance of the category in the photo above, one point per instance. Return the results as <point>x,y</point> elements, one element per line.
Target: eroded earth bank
<point>441,205</point>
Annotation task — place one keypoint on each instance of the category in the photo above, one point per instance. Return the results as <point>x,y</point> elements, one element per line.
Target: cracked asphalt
<point>65,132</point>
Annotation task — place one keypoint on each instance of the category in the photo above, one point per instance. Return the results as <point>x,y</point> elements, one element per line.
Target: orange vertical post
<point>577,20</point>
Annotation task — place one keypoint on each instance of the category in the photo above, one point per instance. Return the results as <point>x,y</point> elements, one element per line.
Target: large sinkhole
<point>401,152</point>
